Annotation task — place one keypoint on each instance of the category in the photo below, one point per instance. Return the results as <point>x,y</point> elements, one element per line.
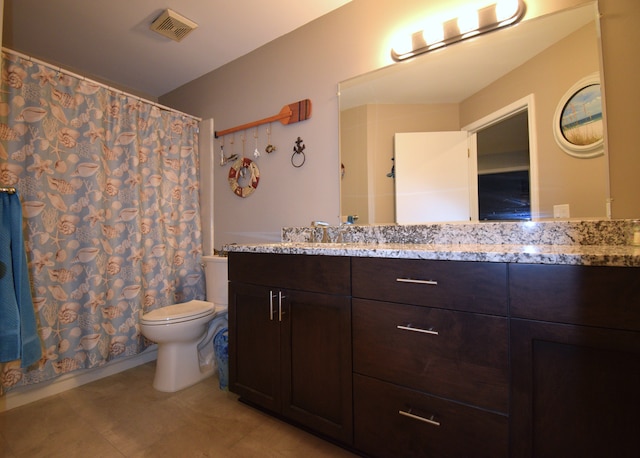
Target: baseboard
<point>25,395</point>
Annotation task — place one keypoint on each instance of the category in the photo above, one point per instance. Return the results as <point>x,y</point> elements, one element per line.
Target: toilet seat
<point>178,313</point>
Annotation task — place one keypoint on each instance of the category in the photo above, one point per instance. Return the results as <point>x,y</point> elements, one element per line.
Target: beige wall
<point>309,63</point>
<point>354,183</point>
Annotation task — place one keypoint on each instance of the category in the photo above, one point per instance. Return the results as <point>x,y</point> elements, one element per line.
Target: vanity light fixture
<point>469,24</point>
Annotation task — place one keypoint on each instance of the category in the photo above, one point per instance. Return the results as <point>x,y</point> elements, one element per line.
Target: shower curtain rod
<point>9,190</point>
<point>80,77</point>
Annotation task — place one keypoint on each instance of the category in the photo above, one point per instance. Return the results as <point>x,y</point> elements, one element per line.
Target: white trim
<point>31,393</point>
<point>206,151</point>
<point>474,204</point>
<point>526,103</point>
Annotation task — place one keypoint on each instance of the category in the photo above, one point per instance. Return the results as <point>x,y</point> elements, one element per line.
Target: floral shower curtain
<point>111,220</point>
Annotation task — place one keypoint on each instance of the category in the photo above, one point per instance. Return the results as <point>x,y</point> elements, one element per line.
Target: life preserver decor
<point>242,164</point>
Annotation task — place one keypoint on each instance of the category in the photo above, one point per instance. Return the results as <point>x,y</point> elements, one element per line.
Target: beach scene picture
<point>581,121</point>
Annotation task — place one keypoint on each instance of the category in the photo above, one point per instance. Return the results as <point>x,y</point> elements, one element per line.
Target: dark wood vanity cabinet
<point>290,338</point>
<point>430,358</point>
<point>575,351</point>
<point>420,358</point>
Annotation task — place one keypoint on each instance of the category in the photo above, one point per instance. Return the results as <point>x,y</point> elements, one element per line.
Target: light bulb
<point>402,45</point>
<point>433,33</point>
<point>468,21</point>
<point>506,9</point>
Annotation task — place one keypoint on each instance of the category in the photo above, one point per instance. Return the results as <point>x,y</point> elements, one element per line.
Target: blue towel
<point>18,330</point>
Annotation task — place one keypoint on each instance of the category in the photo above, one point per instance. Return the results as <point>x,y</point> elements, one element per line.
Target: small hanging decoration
<point>256,152</point>
<point>238,170</point>
<point>243,170</point>
<point>270,148</point>
<point>392,174</point>
<point>232,142</point>
<point>224,160</point>
<point>298,157</point>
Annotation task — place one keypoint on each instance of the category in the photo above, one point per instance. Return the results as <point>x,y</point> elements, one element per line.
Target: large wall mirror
<point>501,90</point>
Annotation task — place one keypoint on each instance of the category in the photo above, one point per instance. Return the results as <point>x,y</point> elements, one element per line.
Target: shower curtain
<point>111,221</point>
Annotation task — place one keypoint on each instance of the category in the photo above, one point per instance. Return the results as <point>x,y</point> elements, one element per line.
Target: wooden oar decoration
<point>294,112</point>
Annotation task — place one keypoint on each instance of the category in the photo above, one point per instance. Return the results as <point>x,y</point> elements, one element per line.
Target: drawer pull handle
<point>431,420</point>
<point>271,311</point>
<point>280,311</point>
<point>411,328</point>
<point>421,282</point>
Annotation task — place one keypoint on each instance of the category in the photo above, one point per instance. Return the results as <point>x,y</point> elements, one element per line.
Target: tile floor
<point>123,416</point>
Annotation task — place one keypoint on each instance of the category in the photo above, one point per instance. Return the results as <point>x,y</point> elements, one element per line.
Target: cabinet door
<point>316,362</point>
<point>254,345</point>
<point>575,390</point>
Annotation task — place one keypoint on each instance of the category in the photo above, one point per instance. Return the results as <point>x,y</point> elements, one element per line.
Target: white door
<point>432,177</point>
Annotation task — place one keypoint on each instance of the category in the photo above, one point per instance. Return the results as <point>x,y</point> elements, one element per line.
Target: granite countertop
<point>573,242</point>
<point>593,255</point>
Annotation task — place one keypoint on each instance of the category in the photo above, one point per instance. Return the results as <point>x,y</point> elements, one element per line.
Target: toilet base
<point>178,367</point>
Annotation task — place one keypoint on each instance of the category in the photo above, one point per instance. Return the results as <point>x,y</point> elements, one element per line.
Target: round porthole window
<point>578,125</point>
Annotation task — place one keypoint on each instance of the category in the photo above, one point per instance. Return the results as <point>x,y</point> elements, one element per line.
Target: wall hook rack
<point>289,114</point>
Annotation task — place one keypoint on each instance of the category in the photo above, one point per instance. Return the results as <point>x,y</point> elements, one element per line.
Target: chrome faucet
<point>325,235</point>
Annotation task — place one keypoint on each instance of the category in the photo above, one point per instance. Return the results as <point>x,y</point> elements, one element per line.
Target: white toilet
<point>184,332</point>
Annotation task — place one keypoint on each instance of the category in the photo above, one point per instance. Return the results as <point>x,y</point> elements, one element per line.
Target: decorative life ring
<point>234,174</point>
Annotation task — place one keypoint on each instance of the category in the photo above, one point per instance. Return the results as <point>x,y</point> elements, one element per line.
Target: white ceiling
<point>110,40</point>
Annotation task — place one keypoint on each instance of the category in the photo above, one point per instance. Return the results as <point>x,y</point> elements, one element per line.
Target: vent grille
<point>173,25</point>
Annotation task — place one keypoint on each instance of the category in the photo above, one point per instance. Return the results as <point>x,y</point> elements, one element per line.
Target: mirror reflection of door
<point>482,175</point>
<point>431,177</point>
<point>503,170</point>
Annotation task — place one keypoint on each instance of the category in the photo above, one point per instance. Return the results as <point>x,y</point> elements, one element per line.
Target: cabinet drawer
<point>323,274</point>
<point>588,295</point>
<point>457,285</point>
<point>467,360</point>
<point>451,430</point>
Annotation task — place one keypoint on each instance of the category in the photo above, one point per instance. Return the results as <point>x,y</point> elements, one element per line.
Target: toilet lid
<point>191,310</point>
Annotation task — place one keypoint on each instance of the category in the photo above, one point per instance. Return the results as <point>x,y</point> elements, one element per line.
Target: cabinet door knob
<point>409,327</point>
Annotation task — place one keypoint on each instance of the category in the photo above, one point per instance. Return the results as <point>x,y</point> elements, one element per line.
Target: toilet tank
<point>216,279</point>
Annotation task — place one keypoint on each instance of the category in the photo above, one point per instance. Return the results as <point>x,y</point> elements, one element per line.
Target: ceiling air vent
<point>173,25</point>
